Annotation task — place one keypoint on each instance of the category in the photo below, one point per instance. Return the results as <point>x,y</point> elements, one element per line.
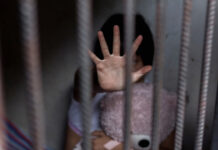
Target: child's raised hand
<point>111,70</point>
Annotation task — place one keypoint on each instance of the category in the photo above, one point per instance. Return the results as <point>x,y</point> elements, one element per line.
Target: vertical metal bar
<point>84,11</point>
<point>158,70</point>
<point>30,43</point>
<point>205,74</point>
<point>183,69</point>
<point>129,24</point>
<point>2,113</point>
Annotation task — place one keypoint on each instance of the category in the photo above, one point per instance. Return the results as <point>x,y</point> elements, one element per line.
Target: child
<point>109,70</point>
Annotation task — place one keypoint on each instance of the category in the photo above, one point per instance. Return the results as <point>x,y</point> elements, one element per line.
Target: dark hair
<point>146,49</point>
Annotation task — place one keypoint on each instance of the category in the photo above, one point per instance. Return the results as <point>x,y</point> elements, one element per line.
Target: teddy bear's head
<point>141,116</point>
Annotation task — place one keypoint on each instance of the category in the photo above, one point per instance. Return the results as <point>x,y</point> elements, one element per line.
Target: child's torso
<point>75,114</point>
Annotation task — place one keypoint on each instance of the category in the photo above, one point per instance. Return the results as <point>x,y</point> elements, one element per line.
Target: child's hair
<point>146,49</point>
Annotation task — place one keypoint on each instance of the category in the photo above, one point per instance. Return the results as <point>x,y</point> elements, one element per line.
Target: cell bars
<point>129,26</point>
<point>183,69</point>
<point>205,74</point>
<point>158,70</point>
<point>84,9</point>
<point>30,43</point>
<point>84,13</point>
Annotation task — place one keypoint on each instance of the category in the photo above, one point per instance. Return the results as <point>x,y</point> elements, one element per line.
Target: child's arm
<point>101,140</point>
<point>168,143</point>
<point>72,139</point>
<point>104,142</point>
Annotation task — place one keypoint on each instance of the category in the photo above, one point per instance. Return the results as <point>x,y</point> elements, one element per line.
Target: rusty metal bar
<point>2,113</point>
<point>129,24</point>
<point>84,11</point>
<point>183,69</point>
<point>205,74</point>
<point>30,41</point>
<point>158,70</point>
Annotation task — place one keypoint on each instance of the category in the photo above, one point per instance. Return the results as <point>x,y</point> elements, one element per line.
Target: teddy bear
<point>112,112</point>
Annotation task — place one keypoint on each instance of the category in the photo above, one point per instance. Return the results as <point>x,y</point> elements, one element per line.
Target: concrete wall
<point>59,59</point>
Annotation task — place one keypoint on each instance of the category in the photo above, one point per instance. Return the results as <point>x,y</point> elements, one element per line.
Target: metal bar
<point>2,112</point>
<point>129,24</point>
<point>158,71</point>
<point>205,74</point>
<point>84,44</point>
<point>30,43</point>
<point>183,69</point>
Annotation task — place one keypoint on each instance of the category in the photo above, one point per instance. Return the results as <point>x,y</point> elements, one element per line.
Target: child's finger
<point>116,41</point>
<point>111,145</point>
<point>137,43</point>
<point>98,134</point>
<point>103,44</point>
<point>94,58</point>
<point>141,72</point>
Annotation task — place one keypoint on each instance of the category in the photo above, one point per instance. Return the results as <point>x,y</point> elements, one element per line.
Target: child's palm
<point>111,70</point>
<point>111,73</point>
